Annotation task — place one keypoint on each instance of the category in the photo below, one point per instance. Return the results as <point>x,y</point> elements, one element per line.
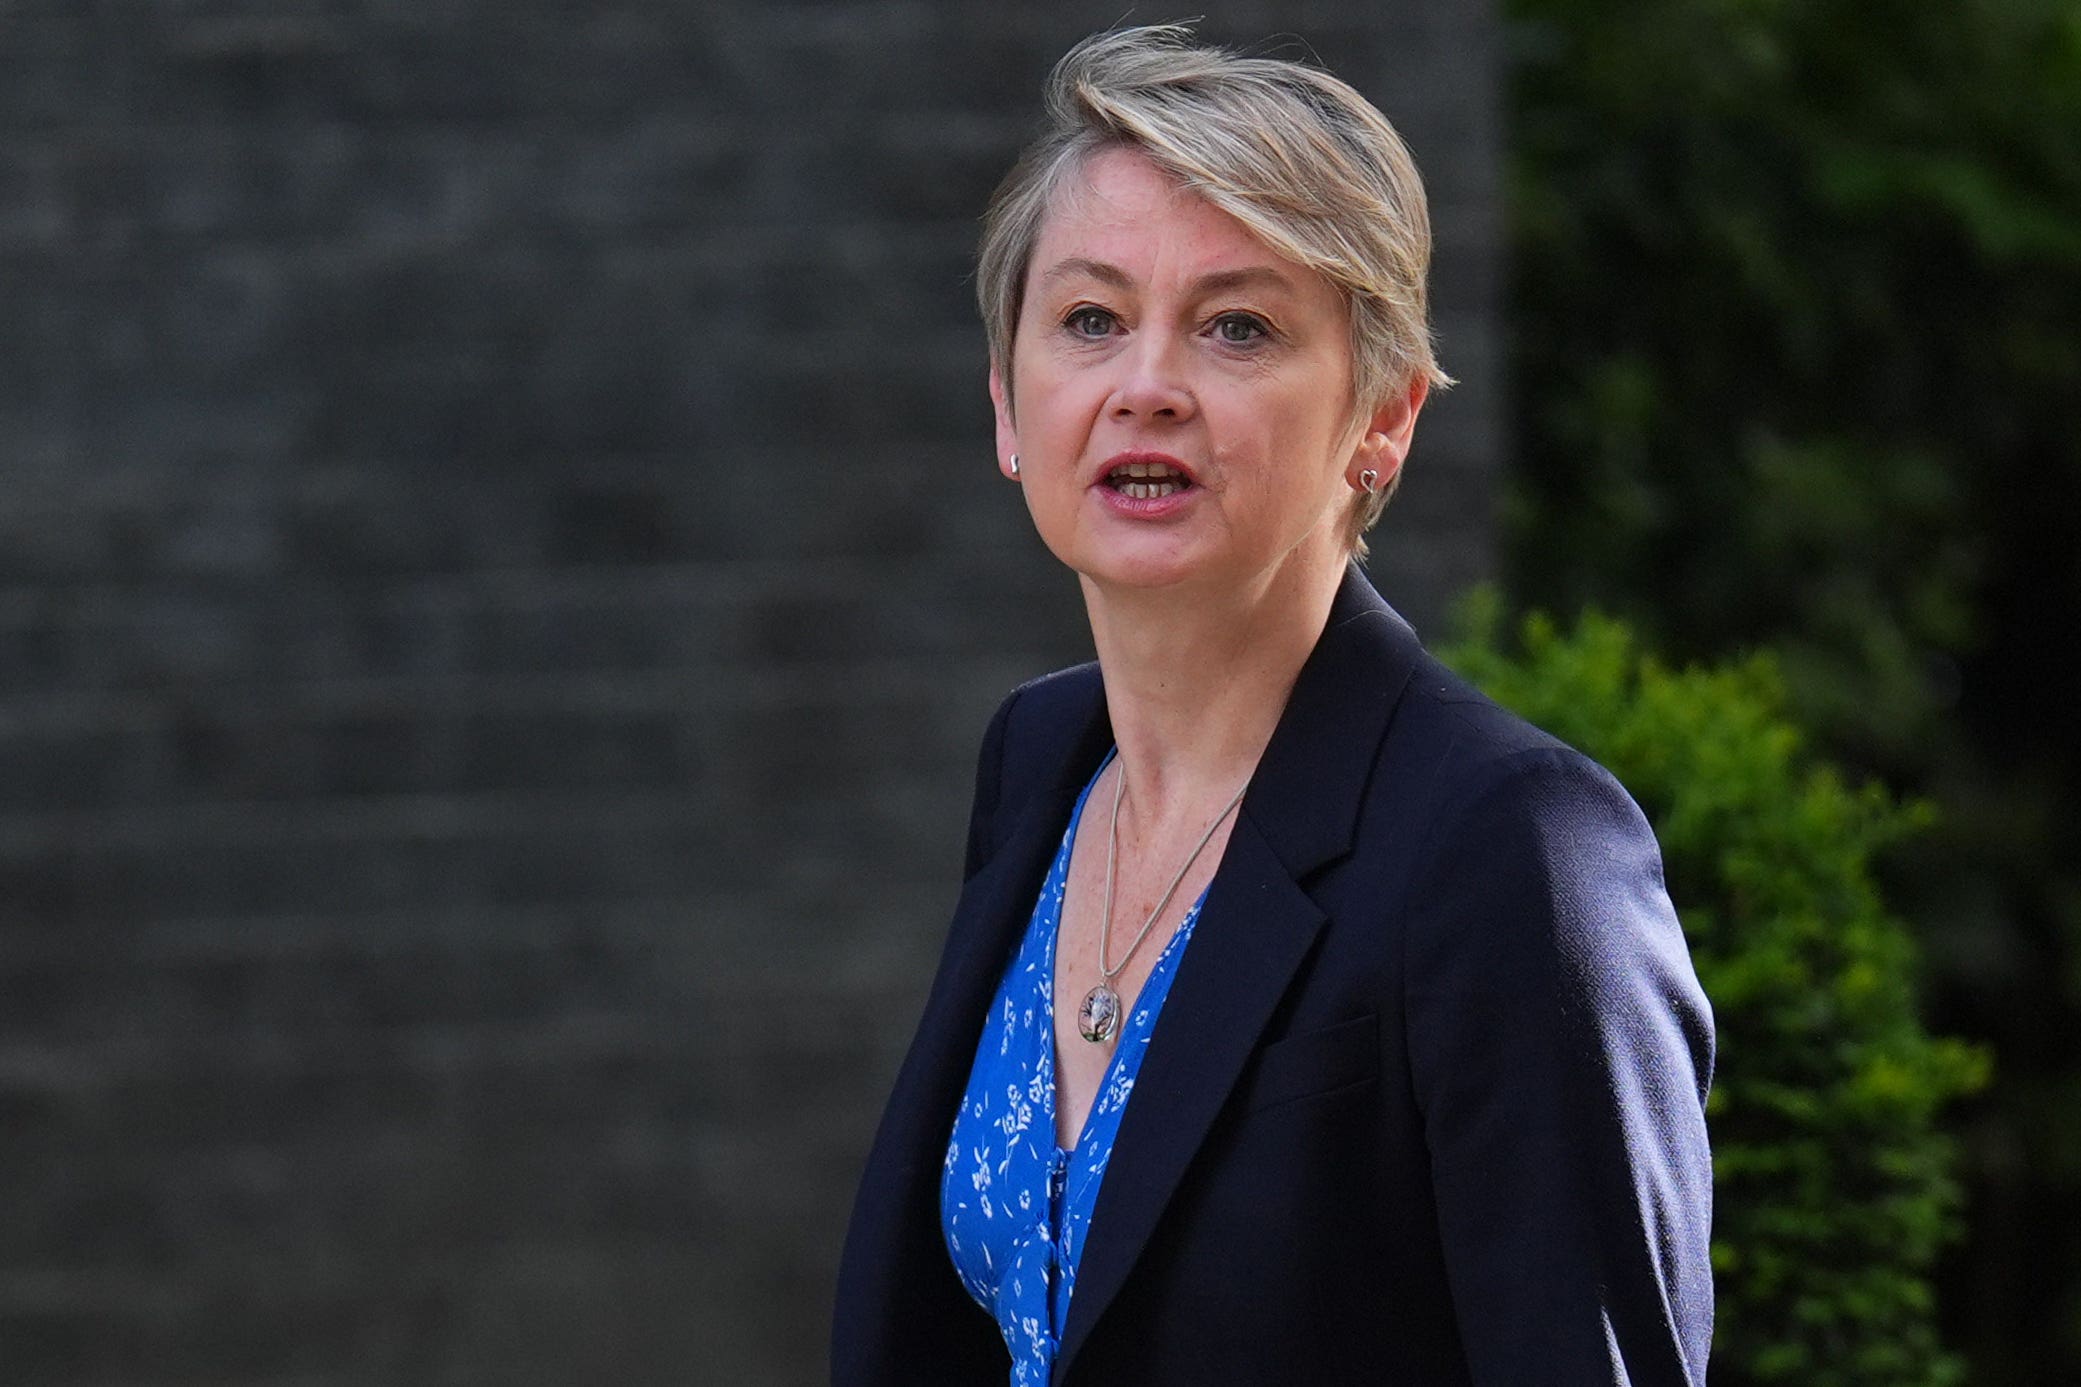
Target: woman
<point>1378,1056</point>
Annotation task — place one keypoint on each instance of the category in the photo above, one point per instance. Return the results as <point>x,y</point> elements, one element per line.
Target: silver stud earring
<point>1015,466</point>
<point>1369,482</point>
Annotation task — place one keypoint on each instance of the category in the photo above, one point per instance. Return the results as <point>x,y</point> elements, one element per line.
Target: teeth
<point>1149,469</point>
<point>1148,491</point>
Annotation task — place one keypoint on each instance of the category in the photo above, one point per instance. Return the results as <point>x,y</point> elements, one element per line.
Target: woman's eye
<point>1240,328</point>
<point>1089,322</point>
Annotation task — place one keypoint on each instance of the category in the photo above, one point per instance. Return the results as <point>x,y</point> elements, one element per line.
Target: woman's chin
<point>1147,567</point>
<point>1200,559</point>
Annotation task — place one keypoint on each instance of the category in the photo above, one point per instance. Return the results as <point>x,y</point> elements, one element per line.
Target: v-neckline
<point>1127,1005</point>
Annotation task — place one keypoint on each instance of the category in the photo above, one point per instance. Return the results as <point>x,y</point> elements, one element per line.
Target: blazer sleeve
<point>1560,1050</point>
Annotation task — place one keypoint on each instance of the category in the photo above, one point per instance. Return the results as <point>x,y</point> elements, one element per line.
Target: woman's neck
<point>1195,683</point>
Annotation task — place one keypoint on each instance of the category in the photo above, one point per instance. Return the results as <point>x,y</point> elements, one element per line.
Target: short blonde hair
<point>1291,152</point>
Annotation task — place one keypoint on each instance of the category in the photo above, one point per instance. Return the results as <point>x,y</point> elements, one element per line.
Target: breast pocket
<point>1293,1067</point>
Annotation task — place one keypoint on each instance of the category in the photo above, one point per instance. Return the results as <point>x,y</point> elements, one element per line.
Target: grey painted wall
<point>501,575</point>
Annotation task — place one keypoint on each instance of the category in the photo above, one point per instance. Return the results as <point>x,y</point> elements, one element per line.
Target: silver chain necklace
<point>1098,1020</point>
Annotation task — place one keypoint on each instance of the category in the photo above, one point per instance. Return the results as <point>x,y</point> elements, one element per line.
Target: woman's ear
<point>1385,443</point>
<point>1007,432</point>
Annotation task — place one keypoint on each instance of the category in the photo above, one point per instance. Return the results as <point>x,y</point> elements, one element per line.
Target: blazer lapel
<point>901,1311</point>
<point>1252,934</point>
<point>994,908</point>
<point>894,1244</point>
<point>1255,930</point>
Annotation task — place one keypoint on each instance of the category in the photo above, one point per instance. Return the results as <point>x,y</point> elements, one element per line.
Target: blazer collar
<point>1299,813</point>
<point>1311,780</point>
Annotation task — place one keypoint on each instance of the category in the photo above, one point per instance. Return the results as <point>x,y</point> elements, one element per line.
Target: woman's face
<point>1181,399</point>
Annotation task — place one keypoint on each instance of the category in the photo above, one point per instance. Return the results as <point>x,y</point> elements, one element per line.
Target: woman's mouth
<point>1146,481</point>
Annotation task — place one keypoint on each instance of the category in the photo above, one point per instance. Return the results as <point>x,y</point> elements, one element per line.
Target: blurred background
<point>503,571</point>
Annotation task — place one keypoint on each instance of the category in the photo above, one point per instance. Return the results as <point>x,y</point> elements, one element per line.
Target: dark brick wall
<point>501,574</point>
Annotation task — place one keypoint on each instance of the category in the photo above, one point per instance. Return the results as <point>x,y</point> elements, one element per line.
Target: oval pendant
<point>1098,1020</point>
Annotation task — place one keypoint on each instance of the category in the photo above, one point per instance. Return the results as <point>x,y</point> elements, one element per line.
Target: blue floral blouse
<point>1014,1206</point>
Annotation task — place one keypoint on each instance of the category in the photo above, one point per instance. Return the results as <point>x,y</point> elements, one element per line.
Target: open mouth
<point>1145,481</point>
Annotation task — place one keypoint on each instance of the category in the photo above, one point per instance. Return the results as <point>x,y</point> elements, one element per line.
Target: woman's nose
<point>1153,384</point>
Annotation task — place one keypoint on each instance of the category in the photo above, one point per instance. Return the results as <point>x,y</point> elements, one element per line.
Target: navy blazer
<point>1426,1102</point>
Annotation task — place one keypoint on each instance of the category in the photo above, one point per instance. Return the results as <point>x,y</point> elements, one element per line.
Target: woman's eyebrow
<point>1218,282</point>
<point>1249,277</point>
<point>1110,275</point>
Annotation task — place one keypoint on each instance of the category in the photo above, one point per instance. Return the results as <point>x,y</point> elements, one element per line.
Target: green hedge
<point>1833,1183</point>
<point>1794,365</point>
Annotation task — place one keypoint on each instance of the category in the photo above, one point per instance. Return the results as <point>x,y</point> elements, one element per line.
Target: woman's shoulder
<point>1467,756</point>
<point>1044,735</point>
<point>1477,727</point>
<point>1064,699</point>
<point>1038,728</point>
